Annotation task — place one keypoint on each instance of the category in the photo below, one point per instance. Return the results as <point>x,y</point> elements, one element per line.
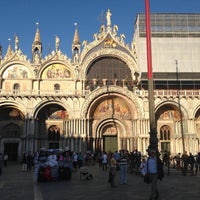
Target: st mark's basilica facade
<point>98,99</point>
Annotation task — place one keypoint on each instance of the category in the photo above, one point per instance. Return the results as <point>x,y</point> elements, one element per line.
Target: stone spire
<point>10,51</point>
<point>76,40</point>
<point>76,45</point>
<point>37,47</point>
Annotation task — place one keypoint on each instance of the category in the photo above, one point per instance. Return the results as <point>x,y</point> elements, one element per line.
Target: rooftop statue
<point>16,42</point>
<point>108,16</point>
<point>57,43</point>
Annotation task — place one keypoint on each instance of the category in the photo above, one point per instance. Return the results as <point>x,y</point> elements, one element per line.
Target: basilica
<point>98,100</point>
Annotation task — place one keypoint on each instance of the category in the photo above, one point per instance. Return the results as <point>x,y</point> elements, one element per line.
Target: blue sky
<point>57,17</point>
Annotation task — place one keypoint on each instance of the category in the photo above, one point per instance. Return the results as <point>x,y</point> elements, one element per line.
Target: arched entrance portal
<point>110,143</point>
<point>12,132</point>
<point>111,135</point>
<point>51,129</point>
<point>112,121</point>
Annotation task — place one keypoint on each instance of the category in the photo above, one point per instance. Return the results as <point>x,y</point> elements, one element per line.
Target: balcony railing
<point>169,92</point>
<point>77,93</point>
<point>44,93</point>
<point>176,92</point>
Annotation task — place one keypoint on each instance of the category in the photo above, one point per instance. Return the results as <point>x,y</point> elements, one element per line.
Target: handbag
<point>147,178</point>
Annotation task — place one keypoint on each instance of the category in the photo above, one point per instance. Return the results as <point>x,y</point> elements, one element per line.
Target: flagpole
<point>153,142</point>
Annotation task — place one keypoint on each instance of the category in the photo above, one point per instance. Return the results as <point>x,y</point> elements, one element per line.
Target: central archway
<point>109,135</point>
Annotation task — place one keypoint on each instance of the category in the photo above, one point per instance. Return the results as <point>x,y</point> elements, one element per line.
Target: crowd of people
<point>153,165</point>
<point>56,164</point>
<point>186,163</point>
<point>60,164</point>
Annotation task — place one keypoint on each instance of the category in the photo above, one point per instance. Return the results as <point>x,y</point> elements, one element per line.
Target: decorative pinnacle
<point>37,24</point>
<point>9,41</point>
<point>76,24</point>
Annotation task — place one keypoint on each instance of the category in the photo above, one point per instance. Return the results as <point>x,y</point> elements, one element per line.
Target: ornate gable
<point>107,38</point>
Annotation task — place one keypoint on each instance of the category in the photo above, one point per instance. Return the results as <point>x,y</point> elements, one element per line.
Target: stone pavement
<point>18,185</point>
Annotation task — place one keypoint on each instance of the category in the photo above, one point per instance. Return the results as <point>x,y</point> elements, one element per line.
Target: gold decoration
<point>109,43</point>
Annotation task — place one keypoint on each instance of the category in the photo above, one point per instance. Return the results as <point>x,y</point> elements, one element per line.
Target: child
<point>142,167</point>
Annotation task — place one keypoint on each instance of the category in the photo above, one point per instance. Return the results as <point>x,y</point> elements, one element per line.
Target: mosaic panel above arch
<point>52,112</point>
<point>16,71</point>
<point>170,115</point>
<point>170,112</point>
<point>11,113</point>
<point>127,96</point>
<point>56,71</point>
<point>112,106</point>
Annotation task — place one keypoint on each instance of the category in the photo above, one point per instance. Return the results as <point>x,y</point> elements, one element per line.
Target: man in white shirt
<point>104,161</point>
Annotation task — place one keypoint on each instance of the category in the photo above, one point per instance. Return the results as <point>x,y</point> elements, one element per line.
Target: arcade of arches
<point>109,128</point>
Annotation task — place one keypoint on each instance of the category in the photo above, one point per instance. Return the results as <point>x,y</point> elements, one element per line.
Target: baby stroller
<point>84,174</point>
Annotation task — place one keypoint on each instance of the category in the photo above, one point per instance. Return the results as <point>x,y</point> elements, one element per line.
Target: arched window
<point>56,88</point>
<point>165,133</point>
<point>110,71</point>
<point>165,138</point>
<point>16,88</point>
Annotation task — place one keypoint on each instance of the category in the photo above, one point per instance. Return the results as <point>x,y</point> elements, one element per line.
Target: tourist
<point>112,172</point>
<point>184,159</point>
<point>142,167</point>
<point>24,163</point>
<point>154,167</point>
<point>191,162</point>
<point>104,161</point>
<point>29,161</point>
<point>5,158</point>
<point>123,164</point>
<point>80,160</point>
